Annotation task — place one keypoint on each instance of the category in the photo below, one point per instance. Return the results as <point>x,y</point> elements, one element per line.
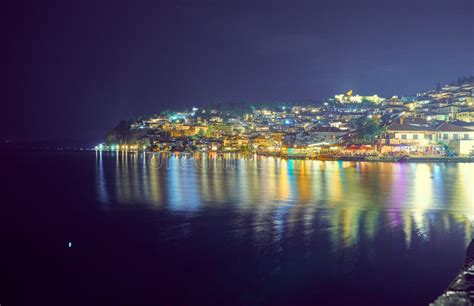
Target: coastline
<point>460,291</point>
<point>392,159</point>
<point>361,158</point>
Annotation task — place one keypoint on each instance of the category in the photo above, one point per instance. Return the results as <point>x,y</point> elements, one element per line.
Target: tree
<point>246,149</point>
<point>143,143</point>
<point>119,134</point>
<point>209,131</point>
<point>370,131</point>
<point>201,133</point>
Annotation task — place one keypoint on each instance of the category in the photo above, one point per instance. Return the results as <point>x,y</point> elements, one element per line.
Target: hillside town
<point>433,124</point>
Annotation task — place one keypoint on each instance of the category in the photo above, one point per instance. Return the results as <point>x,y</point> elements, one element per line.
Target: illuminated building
<point>348,97</point>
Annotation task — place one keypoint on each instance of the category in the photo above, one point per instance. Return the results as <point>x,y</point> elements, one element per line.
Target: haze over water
<point>230,230</point>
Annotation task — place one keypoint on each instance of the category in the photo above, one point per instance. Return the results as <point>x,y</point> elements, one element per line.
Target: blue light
<point>69,244</point>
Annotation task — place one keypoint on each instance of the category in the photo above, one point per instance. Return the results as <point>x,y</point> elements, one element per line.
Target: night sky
<point>75,68</point>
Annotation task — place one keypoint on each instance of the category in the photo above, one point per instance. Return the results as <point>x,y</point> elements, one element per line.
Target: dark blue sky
<point>75,68</point>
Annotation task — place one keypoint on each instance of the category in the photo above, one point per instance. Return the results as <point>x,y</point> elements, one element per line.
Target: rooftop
<point>447,127</point>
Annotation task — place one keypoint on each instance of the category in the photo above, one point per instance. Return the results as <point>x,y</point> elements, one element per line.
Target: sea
<point>121,228</point>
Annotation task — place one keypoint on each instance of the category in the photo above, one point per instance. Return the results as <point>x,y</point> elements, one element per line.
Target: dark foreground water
<point>209,230</point>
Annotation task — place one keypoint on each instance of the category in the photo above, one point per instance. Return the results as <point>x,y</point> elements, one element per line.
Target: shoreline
<point>460,291</point>
<point>390,159</point>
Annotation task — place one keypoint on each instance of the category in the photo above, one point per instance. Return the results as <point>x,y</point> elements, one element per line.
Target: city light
<point>396,127</point>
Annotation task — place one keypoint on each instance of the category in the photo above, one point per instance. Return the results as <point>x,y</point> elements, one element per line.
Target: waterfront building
<point>410,135</point>
<point>326,134</point>
<point>447,132</point>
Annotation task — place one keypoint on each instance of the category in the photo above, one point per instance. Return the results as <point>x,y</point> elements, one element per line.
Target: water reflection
<point>348,202</point>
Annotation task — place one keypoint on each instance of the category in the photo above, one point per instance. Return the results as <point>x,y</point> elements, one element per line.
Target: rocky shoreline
<point>461,289</point>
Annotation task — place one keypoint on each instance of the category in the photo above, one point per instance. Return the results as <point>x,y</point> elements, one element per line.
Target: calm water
<point>148,229</point>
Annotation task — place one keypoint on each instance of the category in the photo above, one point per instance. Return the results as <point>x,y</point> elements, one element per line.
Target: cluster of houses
<point>434,123</point>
